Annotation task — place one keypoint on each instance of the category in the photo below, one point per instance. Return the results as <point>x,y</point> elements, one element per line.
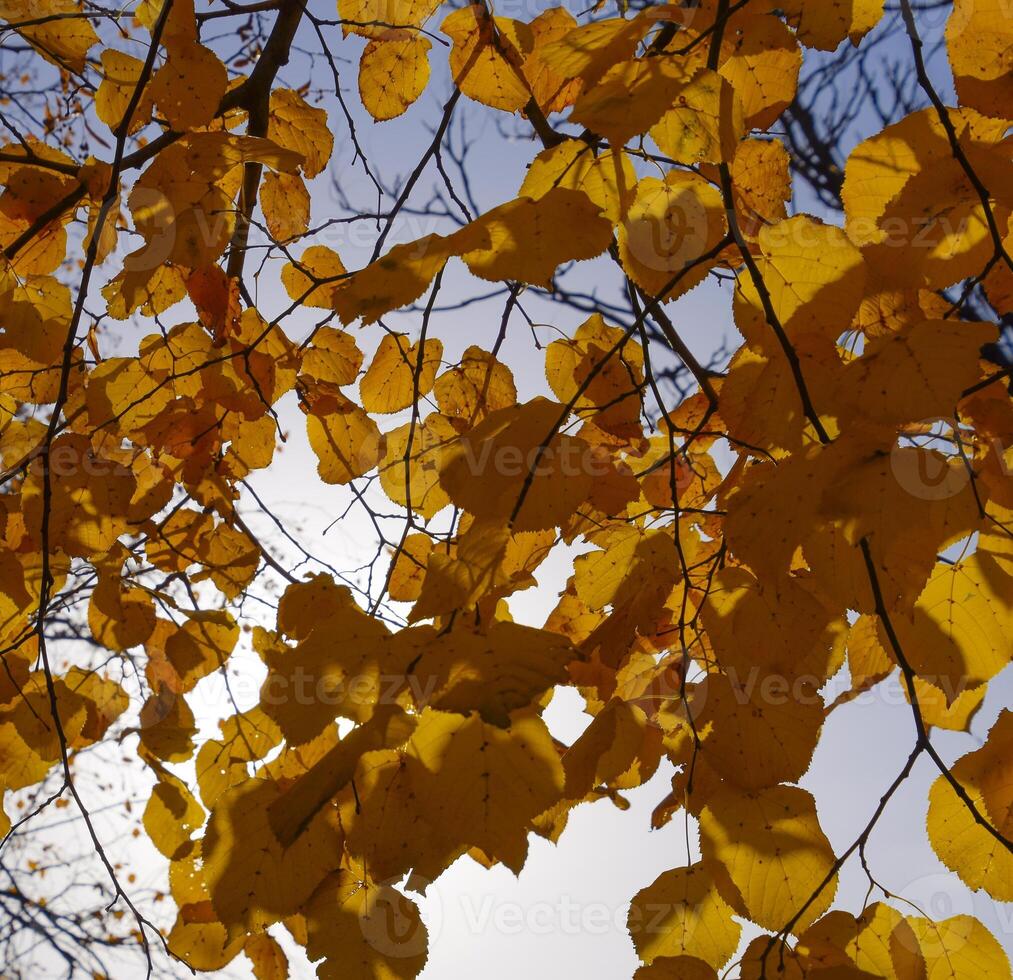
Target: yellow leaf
<point>346,440</point>
<point>120,617</point>
<point>63,40</point>
<point>958,948</point>
<point>483,785</point>
<point>599,372</point>
<point>763,729</point>
<point>671,223</point>
<point>306,688</point>
<point>316,278</point>
<point>487,55</point>
<point>630,98</point>
<point>172,815</point>
<point>410,467</point>
<point>761,179</point>
<point>620,747</point>
<point>527,240</point>
<point>393,72</point>
<point>774,851</point>
<point>302,805</point>
<point>979,42</point>
<point>253,879</point>
<point>296,125</point>
<point>608,179</point>
<point>286,205</point>
<point>409,568</point>
<point>705,124</point>
<point>825,25</point>
<point>189,87</point>
<point>223,762</point>
<point>961,843</point>
<point>231,560</point>
<point>120,75</point>
<point>494,672</point>
<point>334,357</point>
<point>551,90</point>
<point>915,374</point>
<point>589,50</point>
<point>676,968</point>
<point>267,957</point>
<point>814,276</point>
<point>167,726</point>
<point>201,645</point>
<point>682,913</point>
<point>957,635</point>
<point>394,280</point>
<point>517,467</point>
<point>399,374</point>
<point>761,59</point>
<point>868,941</point>
<point>364,931</point>
<point>371,18</point>
<point>478,385</point>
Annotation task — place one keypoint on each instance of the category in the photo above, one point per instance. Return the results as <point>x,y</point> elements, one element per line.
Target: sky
<point>566,911</point>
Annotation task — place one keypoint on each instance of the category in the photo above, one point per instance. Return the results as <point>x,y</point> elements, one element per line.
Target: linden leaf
<point>494,672</point>
<point>958,631</point>
<point>364,931</point>
<point>705,124</point>
<point>979,42</point>
<point>676,968</point>
<point>917,373</point>
<point>120,617</point>
<point>306,688</point>
<point>54,29</point>
<point>188,88</point>
<point>619,748</point>
<point>172,815</point>
<point>487,55</point>
<point>761,60</point>
<point>315,279</point>
<point>550,89</point>
<point>478,385</point>
<point>296,125</point>
<point>334,357</point>
<point>394,280</point>
<point>669,226</point>
<point>958,948</point>
<point>608,179</point>
<point>372,18</point>
<point>286,205</point>
<point>813,275</point>
<point>482,785</point>
<point>393,72</point>
<point>411,464</point>
<point>824,26</point>
<point>763,730</point>
<point>630,98</point>
<point>599,372</point>
<point>961,843</point>
<point>683,914</point>
<point>253,879</point>
<point>589,50</point>
<point>120,75</point>
<point>527,240</point>
<point>399,374</point>
<point>266,957</point>
<point>770,843</point>
<point>516,466</point>
<point>346,440</point>
<point>302,805</point>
